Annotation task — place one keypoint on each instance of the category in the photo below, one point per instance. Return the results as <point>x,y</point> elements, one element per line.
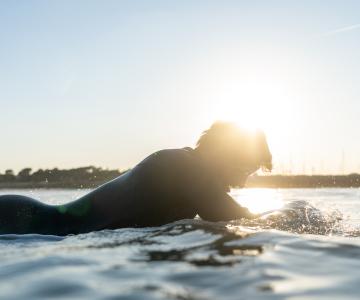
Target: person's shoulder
<point>166,164</point>
<point>185,152</point>
<point>170,156</point>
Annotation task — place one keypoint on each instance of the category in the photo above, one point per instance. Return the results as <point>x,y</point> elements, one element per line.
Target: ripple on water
<point>188,259</point>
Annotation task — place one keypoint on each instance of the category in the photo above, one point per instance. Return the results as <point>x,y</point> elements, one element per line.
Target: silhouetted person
<point>166,186</point>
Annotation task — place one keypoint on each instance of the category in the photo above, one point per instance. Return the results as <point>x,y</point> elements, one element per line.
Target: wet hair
<point>236,145</point>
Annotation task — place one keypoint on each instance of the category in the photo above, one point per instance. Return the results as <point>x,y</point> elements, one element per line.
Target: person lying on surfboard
<point>166,186</point>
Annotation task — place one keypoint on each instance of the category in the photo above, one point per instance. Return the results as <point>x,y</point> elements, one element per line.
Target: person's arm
<point>222,207</point>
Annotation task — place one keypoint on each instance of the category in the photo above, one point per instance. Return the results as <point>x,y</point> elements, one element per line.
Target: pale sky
<point>106,83</point>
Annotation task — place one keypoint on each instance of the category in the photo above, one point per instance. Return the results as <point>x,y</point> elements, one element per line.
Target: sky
<point>107,83</point>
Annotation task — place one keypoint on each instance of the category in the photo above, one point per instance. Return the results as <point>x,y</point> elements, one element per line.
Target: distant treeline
<point>84,177</point>
<point>304,181</point>
<point>90,177</point>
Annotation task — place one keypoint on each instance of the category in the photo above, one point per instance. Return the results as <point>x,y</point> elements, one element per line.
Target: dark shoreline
<point>271,181</point>
<point>305,181</point>
<point>52,185</point>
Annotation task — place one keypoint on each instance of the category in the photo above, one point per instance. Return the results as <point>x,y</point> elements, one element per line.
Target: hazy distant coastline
<point>84,177</point>
<point>304,181</point>
<point>91,177</point>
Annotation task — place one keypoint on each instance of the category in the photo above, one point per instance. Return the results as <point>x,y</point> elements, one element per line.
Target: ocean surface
<point>305,246</point>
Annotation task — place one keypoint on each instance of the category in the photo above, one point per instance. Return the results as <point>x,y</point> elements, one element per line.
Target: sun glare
<point>265,102</point>
<point>258,200</point>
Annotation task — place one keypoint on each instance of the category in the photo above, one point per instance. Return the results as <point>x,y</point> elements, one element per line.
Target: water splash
<point>299,217</point>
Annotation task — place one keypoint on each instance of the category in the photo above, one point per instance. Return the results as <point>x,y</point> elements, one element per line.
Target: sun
<point>267,105</point>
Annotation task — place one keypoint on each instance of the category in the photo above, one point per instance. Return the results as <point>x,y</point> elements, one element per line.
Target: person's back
<point>160,189</point>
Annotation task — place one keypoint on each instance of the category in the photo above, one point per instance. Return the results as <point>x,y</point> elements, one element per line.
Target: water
<point>307,248</point>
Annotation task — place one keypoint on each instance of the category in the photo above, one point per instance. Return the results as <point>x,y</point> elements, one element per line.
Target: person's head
<point>234,153</point>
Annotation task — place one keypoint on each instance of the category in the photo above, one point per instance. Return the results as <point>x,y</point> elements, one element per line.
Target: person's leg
<point>20,215</point>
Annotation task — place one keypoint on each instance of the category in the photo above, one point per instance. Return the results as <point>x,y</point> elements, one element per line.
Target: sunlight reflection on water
<point>258,200</point>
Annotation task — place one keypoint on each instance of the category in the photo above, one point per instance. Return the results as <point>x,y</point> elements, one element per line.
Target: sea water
<point>306,246</point>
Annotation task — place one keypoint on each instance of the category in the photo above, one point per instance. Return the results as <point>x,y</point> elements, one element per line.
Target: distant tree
<point>24,174</point>
<point>9,172</point>
<point>39,176</point>
<point>9,175</point>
